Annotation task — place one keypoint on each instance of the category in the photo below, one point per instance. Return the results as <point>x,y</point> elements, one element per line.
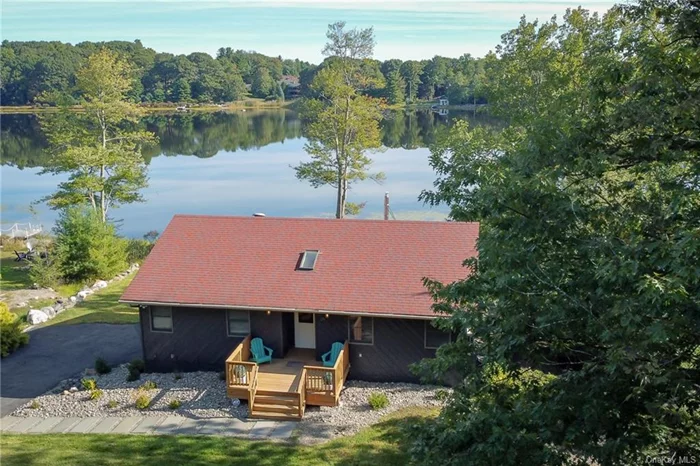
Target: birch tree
<point>343,124</point>
<point>98,147</point>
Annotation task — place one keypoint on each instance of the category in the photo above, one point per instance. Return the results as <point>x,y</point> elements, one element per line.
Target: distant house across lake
<point>292,88</point>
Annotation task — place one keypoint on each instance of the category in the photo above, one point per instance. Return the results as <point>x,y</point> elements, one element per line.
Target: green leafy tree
<point>95,147</point>
<point>88,248</point>
<point>182,91</point>
<point>343,123</point>
<point>589,242</point>
<point>263,85</point>
<point>411,71</point>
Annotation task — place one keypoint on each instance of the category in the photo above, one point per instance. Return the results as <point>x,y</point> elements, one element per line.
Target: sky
<point>404,29</point>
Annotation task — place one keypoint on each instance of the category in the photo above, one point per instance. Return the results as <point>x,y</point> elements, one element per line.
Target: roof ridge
<point>367,220</point>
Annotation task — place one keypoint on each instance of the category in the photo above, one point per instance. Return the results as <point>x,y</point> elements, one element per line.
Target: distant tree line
<point>45,73</point>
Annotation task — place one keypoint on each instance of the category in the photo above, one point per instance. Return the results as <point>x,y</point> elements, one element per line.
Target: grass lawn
<point>102,306</point>
<point>383,444</point>
<point>12,277</point>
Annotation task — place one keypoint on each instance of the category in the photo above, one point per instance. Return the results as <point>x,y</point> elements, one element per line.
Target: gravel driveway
<point>57,352</point>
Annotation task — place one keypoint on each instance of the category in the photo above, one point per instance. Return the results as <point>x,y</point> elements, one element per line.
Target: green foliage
<point>134,374</point>
<point>177,376</point>
<point>87,248</point>
<point>588,247</point>
<point>175,404</point>
<point>111,404</point>
<point>263,85</point>
<point>95,147</point>
<point>142,401</point>
<point>395,88</point>
<point>148,385</point>
<point>101,366</point>
<point>45,272</point>
<point>34,404</point>
<point>137,250</point>
<point>378,400</point>
<point>95,394</point>
<point>88,384</point>
<point>11,335</point>
<point>137,365</point>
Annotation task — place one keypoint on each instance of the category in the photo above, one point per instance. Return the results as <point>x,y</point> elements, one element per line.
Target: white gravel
<point>354,412</point>
<point>202,394</point>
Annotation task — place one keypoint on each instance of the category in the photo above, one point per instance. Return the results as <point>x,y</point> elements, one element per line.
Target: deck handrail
<point>328,381</point>
<point>301,391</point>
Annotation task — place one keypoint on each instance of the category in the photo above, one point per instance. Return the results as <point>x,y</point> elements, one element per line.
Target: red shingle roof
<point>365,266</point>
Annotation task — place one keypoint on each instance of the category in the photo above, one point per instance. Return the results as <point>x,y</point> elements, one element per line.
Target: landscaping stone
<point>169,425</point>
<point>84,426</point>
<point>126,425</point>
<point>147,425</point>
<point>64,425</point>
<point>189,427</point>
<point>24,425</point>
<point>284,430</point>
<point>263,428</point>
<point>82,294</point>
<point>44,426</point>
<point>73,299</point>
<point>9,421</point>
<point>49,311</point>
<point>106,425</point>
<point>99,284</point>
<point>35,316</point>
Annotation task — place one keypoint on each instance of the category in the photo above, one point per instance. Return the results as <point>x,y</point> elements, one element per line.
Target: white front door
<point>304,330</point>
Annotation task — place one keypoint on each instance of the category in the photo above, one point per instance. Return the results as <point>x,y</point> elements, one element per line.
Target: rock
<point>58,307</point>
<point>35,286</point>
<point>73,389</point>
<point>60,301</point>
<point>73,299</point>
<point>99,284</point>
<point>66,392</point>
<point>84,294</point>
<point>35,316</point>
<point>90,371</point>
<point>51,290</point>
<point>48,310</point>
<point>22,304</point>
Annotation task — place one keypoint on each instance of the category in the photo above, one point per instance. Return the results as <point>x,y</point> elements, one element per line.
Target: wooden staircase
<point>281,406</point>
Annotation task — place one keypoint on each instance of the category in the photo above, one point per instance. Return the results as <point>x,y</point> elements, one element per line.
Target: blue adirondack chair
<point>259,353</point>
<point>330,357</point>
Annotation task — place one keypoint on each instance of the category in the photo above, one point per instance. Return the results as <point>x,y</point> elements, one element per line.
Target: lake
<point>230,164</point>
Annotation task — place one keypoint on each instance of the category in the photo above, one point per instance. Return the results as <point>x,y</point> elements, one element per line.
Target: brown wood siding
<point>199,340</point>
<point>397,344</point>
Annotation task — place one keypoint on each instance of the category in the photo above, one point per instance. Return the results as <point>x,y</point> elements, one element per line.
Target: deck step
<point>276,400</point>
<point>274,416</point>
<point>276,394</point>
<point>284,409</point>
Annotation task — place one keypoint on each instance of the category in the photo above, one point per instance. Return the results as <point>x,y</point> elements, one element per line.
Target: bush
<point>45,272</point>
<point>174,404</point>
<point>138,364</point>
<point>142,401</point>
<point>178,376</point>
<point>95,394</point>
<point>148,385</point>
<point>378,400</point>
<point>89,384</point>
<point>11,335</point>
<point>87,248</point>
<point>134,374</point>
<point>137,249</point>
<point>112,404</point>
<point>101,366</point>
<point>34,404</point>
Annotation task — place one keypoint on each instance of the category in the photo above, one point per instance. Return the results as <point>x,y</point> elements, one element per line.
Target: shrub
<point>101,366</point>
<point>95,394</point>
<point>11,335</point>
<point>138,364</point>
<point>137,249</point>
<point>112,404</point>
<point>142,401</point>
<point>89,384</point>
<point>378,400</point>
<point>442,394</point>
<point>34,404</point>
<point>174,404</point>
<point>45,272</point>
<point>134,374</point>
<point>87,248</point>
<point>178,376</point>
<point>148,385</point>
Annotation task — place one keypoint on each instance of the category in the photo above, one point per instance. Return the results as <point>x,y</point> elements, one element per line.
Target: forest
<point>44,73</point>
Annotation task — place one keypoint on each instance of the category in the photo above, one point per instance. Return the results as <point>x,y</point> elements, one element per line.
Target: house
<point>443,101</point>
<point>212,283</point>
<point>291,85</point>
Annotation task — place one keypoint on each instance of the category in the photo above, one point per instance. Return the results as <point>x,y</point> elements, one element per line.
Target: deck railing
<point>241,374</point>
<point>301,391</point>
<point>323,384</point>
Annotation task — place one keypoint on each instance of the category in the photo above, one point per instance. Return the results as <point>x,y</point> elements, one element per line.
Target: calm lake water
<point>230,164</point>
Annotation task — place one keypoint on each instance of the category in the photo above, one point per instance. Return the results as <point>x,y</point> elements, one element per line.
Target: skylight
<point>308,260</point>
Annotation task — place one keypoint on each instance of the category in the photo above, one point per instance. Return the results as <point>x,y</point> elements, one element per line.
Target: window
<point>238,323</point>
<point>308,260</point>
<point>305,318</point>
<point>161,319</point>
<point>361,330</point>
<point>434,337</point>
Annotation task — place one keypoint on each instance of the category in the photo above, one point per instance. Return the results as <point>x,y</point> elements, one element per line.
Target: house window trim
<point>150,320</point>
<point>228,328</point>
<point>425,336</point>
<point>350,340</point>
<point>303,256</point>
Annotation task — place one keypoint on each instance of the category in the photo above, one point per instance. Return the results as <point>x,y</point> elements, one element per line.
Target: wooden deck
<point>283,388</point>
